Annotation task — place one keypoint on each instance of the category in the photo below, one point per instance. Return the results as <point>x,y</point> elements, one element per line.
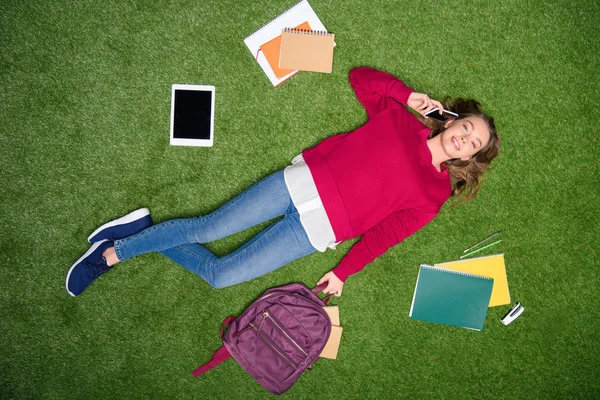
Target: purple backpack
<point>277,337</point>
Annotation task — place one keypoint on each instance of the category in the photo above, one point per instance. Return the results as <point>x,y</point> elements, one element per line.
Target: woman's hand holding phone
<point>422,104</point>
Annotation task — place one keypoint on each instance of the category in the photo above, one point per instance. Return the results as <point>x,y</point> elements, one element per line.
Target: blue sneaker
<point>125,226</point>
<point>90,266</point>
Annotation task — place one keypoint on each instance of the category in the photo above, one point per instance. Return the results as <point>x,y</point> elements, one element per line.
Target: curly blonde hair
<point>467,176</point>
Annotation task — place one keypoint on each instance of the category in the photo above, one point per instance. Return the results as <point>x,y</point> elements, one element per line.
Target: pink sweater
<point>377,181</point>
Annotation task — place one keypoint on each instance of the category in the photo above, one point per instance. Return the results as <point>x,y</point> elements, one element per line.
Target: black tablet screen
<point>192,114</point>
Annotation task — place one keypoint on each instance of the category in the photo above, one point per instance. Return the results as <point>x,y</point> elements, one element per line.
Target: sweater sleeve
<point>381,237</point>
<point>378,91</point>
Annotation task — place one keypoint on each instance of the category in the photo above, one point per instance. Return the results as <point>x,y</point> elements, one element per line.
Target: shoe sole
<point>87,253</point>
<point>133,216</point>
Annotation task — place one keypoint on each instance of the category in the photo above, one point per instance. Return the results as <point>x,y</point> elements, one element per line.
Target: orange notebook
<point>271,50</point>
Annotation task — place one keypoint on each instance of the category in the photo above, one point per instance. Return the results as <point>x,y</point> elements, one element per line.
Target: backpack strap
<point>227,321</point>
<point>317,289</point>
<point>220,355</point>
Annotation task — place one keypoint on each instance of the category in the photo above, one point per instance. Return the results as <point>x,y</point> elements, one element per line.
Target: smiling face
<point>464,137</point>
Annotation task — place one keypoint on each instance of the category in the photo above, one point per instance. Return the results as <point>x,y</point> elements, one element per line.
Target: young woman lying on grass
<point>384,181</point>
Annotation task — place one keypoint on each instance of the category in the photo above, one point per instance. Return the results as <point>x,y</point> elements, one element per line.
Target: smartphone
<point>434,114</point>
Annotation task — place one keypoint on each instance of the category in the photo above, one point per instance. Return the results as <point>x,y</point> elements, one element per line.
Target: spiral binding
<point>454,272</point>
<point>307,32</point>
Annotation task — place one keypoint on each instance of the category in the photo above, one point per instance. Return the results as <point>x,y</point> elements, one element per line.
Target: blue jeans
<point>279,244</point>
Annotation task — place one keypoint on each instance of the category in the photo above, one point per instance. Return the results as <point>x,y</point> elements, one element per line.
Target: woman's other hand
<point>422,104</point>
<point>334,285</point>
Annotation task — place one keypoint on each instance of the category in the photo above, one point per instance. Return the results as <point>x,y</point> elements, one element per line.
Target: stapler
<point>513,313</point>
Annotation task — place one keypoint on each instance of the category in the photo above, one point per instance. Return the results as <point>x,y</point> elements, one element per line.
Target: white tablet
<point>192,115</point>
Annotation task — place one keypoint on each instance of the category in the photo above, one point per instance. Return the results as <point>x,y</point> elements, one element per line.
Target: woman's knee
<point>219,281</point>
<point>226,272</point>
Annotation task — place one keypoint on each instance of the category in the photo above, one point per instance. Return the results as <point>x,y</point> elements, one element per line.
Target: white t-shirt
<point>305,197</point>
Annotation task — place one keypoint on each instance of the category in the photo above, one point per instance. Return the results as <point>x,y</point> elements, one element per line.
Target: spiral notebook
<point>491,266</point>
<point>451,297</point>
<point>306,50</point>
<point>271,51</point>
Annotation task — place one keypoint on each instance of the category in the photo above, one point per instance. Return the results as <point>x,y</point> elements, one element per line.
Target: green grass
<point>84,122</point>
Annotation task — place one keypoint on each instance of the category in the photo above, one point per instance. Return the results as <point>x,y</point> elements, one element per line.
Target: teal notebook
<point>451,297</point>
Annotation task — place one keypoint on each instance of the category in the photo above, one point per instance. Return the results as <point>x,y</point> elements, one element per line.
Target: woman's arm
<point>378,91</point>
<point>381,237</point>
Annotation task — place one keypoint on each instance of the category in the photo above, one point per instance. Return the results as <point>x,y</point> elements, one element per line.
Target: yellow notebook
<point>306,50</point>
<point>489,266</point>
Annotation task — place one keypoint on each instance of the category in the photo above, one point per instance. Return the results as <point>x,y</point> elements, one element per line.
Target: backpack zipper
<point>250,326</point>
<point>267,315</point>
<point>291,294</point>
<point>268,342</point>
<point>300,297</point>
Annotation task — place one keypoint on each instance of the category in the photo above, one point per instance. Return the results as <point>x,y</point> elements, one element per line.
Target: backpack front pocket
<point>265,356</point>
<point>284,338</point>
<point>270,343</point>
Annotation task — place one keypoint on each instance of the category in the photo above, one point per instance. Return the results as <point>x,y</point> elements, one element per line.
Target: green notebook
<point>451,297</point>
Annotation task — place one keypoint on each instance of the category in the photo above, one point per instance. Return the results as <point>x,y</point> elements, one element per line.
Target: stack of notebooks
<point>294,41</point>
<point>333,343</point>
<point>459,293</point>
